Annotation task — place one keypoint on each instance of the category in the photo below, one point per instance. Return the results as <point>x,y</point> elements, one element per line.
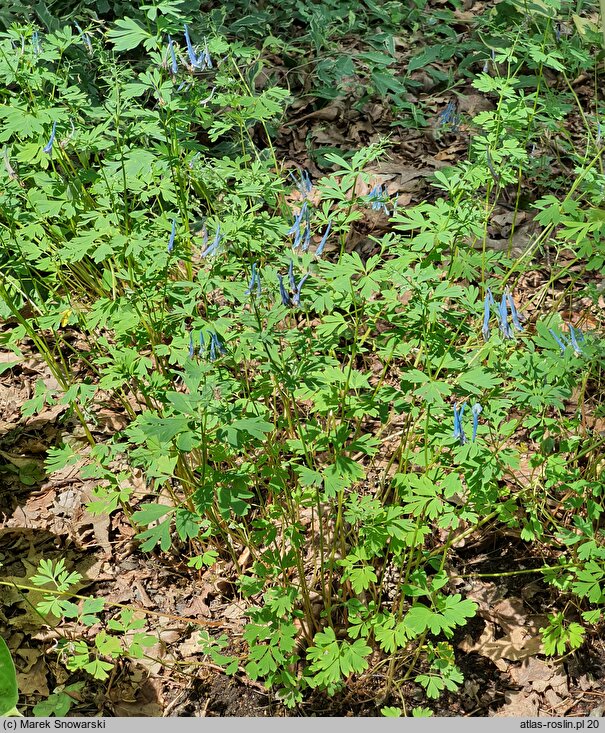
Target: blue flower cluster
<point>216,346</point>
<point>85,38</point>
<point>377,196</point>
<point>291,297</point>
<point>572,341</point>
<point>197,61</point>
<point>303,217</point>
<point>476,410</point>
<point>212,249</point>
<point>448,116</point>
<point>506,304</point>
<point>304,185</point>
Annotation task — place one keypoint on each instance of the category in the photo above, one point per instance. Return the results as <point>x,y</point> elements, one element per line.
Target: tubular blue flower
<point>202,343</point>
<point>295,228</point>
<point>458,429</point>
<point>447,114</point>
<point>296,296</point>
<point>304,186</point>
<point>193,60</point>
<point>216,346</point>
<point>48,148</point>
<point>487,303</point>
<point>574,341</point>
<point>513,312</point>
<point>37,47</point>
<point>85,38</point>
<point>190,344</point>
<point>324,239</point>
<point>285,298</point>
<point>307,239</point>
<point>560,341</point>
<point>307,185</point>
<point>213,248</point>
<point>505,328</point>
<point>291,279</point>
<point>476,409</point>
<point>172,236</point>
<point>254,280</point>
<point>375,196</point>
<point>174,67</point>
<point>206,56</point>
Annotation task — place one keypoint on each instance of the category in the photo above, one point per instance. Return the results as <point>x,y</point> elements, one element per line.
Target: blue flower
<point>304,186</point>
<point>174,67</point>
<point>295,228</point>
<point>193,60</point>
<point>458,429</point>
<point>448,115</point>
<point>254,280</point>
<point>36,45</point>
<point>190,345</point>
<point>285,298</point>
<point>85,38</point>
<point>375,196</point>
<point>307,239</point>
<point>216,346</point>
<point>574,341</point>
<point>476,409</point>
<point>213,248</point>
<point>324,239</point>
<point>296,296</point>
<point>505,328</point>
<point>513,312</point>
<point>172,236</point>
<point>561,341</point>
<point>206,56</point>
<point>291,279</point>
<point>48,148</point>
<point>487,303</point>
<point>202,343</point>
